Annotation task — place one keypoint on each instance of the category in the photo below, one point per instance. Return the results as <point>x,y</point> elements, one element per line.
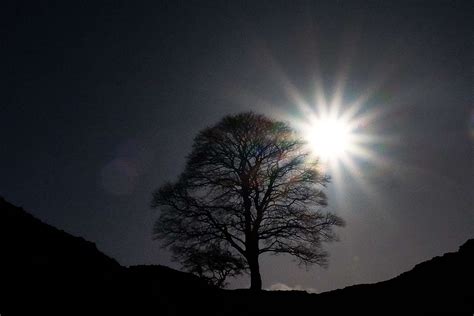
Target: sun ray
<point>342,137</point>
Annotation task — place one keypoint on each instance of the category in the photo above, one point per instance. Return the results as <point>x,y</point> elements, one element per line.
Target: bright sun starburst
<point>336,134</point>
<point>329,137</point>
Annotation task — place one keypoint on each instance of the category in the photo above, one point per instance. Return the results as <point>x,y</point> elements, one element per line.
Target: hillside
<point>48,271</point>
<point>42,266</point>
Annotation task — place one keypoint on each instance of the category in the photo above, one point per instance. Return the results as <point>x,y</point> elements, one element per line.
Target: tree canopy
<point>249,187</point>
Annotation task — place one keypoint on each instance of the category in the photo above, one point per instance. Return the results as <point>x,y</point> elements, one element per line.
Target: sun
<point>343,134</point>
<point>329,138</point>
<point>337,135</point>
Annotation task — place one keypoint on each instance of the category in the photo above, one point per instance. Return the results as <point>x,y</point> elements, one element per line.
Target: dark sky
<point>100,102</point>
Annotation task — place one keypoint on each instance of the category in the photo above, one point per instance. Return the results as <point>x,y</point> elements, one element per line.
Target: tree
<point>249,187</point>
<point>213,263</point>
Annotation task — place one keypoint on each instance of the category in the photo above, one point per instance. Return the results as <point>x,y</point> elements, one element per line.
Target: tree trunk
<point>255,278</point>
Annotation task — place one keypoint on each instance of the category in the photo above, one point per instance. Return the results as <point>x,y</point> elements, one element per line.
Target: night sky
<point>100,103</point>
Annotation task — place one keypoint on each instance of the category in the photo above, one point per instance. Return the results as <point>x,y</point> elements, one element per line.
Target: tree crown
<point>249,187</point>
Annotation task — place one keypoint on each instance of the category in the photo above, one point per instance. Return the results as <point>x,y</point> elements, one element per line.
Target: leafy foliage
<point>248,188</point>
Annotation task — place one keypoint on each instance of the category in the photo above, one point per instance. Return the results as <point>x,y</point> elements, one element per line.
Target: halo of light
<point>338,135</point>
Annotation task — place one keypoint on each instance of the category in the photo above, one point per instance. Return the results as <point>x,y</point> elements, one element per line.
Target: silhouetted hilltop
<point>158,278</point>
<point>28,241</point>
<point>44,270</point>
<point>441,285</point>
<point>41,266</point>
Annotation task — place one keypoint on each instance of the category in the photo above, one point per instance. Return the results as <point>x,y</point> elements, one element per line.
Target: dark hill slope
<point>46,271</point>
<point>50,271</point>
<point>441,286</point>
<point>39,260</point>
<point>28,241</point>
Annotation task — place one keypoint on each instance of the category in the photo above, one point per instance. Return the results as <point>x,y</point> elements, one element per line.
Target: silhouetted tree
<point>249,187</point>
<point>212,263</point>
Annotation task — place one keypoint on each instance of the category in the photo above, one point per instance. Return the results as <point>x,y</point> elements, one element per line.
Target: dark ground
<point>46,271</point>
